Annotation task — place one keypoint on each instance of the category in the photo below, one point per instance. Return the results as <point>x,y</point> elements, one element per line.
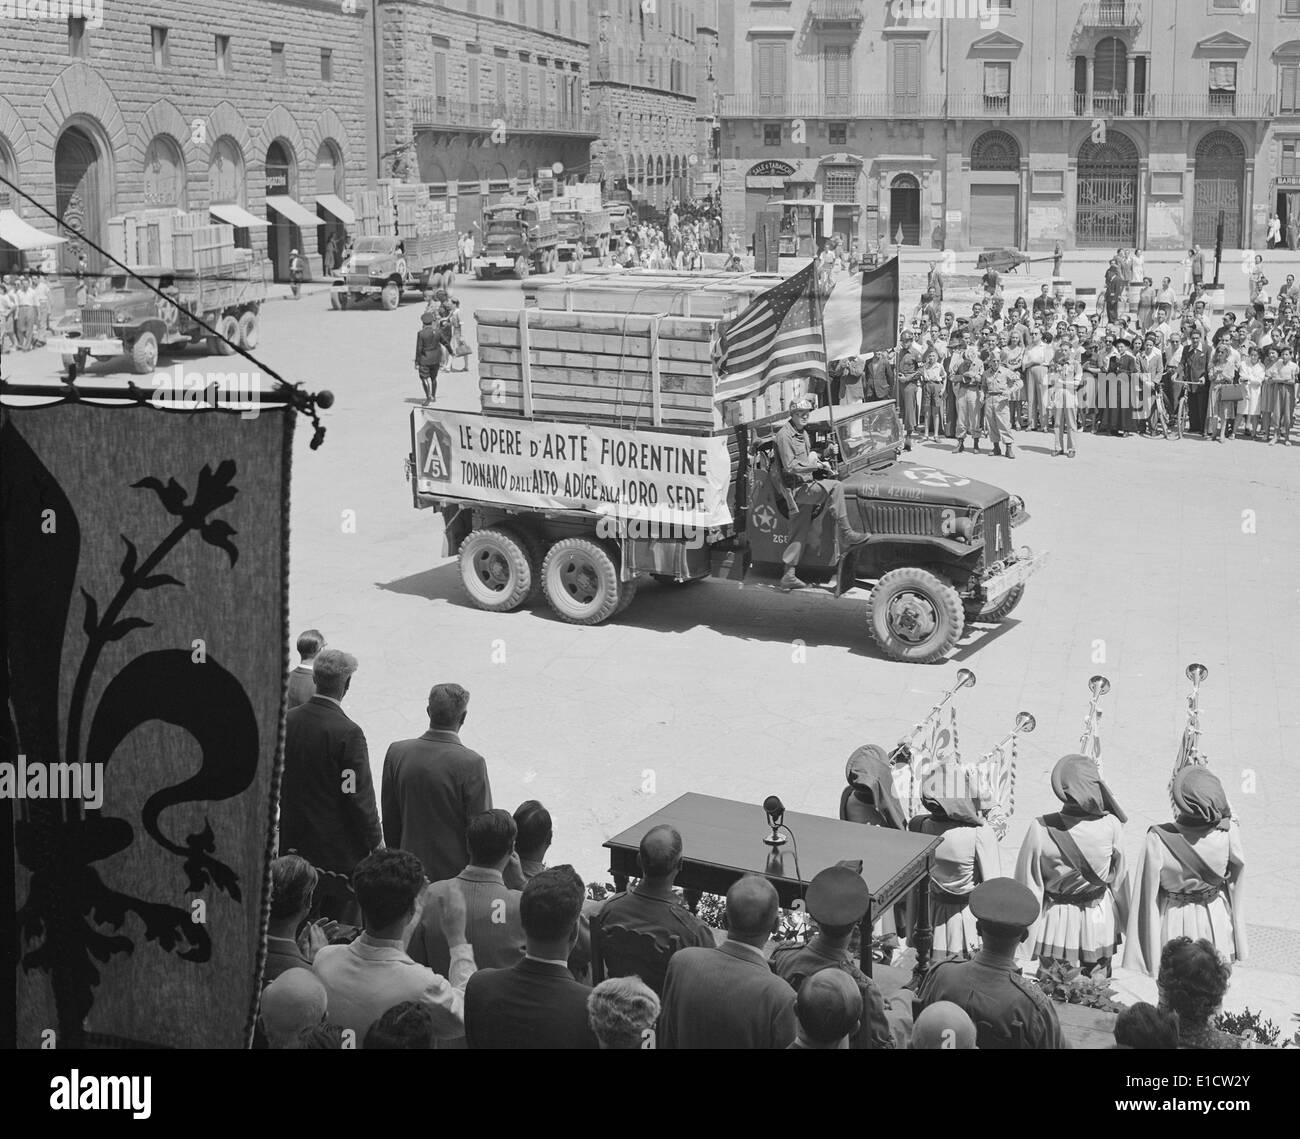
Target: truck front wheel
<point>144,354</point>
<point>337,299</point>
<point>581,582</point>
<point>391,296</point>
<point>999,611</point>
<point>496,570</point>
<point>914,616</point>
<point>522,268</point>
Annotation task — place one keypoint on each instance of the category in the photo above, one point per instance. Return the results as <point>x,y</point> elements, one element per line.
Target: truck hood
<point>363,261</point>
<point>915,482</point>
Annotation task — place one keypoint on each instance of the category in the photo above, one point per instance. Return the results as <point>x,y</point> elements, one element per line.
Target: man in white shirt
<point>374,973</point>
<point>42,290</point>
<point>25,316</point>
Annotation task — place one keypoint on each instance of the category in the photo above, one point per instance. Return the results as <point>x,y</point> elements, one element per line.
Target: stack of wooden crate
<point>206,248</point>
<point>626,348</point>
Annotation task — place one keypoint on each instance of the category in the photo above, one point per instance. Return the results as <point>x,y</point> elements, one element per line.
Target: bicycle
<point>1159,414</point>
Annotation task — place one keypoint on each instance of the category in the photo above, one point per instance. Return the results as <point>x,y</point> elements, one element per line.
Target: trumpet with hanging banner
<point>1090,741</point>
<point>929,744</point>
<point>1189,748</point>
<point>997,777</point>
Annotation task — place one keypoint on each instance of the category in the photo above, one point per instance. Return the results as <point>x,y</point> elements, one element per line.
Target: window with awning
<point>292,211</point>
<point>336,207</point>
<point>16,232</point>
<point>237,216</point>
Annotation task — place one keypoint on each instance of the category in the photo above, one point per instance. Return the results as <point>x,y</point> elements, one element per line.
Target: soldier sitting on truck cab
<point>797,467</point>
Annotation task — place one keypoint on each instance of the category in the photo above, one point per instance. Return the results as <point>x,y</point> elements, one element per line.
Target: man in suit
<point>301,686</point>
<point>651,907</point>
<point>533,835</point>
<point>327,799</point>
<point>536,1003</point>
<point>828,1010</point>
<point>432,786</point>
<point>728,997</point>
<point>491,902</point>
<point>1195,372</point>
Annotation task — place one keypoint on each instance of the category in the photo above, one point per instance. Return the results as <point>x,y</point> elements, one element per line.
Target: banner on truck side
<point>652,476</point>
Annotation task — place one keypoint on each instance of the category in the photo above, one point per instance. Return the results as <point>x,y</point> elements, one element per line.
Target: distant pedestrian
<point>1274,231</point>
<point>1198,267</point>
<point>428,356</point>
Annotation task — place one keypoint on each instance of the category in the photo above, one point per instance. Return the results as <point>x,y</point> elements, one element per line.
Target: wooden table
<point>723,841</point>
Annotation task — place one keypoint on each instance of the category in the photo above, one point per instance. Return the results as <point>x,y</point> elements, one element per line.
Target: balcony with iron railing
<point>434,112</point>
<point>827,12</point>
<point>1121,14</point>
<point>1108,104</point>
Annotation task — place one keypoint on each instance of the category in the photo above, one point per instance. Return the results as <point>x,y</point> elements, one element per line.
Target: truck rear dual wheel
<point>249,330</point>
<point>914,616</point>
<point>228,326</point>
<point>580,580</point>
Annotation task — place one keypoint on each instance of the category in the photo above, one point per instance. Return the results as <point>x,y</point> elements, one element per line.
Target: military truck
<point>129,319</point>
<point>583,232</point>
<point>940,555</point>
<point>519,237</point>
<point>387,266</point>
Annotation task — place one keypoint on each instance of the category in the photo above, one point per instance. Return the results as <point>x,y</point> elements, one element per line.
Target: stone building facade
<point>190,106</point>
<point>644,67</point>
<point>1100,123</point>
<point>483,97</point>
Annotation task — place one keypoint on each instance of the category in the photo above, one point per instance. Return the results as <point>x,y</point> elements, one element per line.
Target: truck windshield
<point>373,245</point>
<point>868,433</point>
<point>503,229</point>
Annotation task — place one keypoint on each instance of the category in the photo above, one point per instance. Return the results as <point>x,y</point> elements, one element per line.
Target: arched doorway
<point>1219,186</point>
<point>164,173</point>
<point>281,181</point>
<point>226,181</point>
<point>995,191</point>
<point>9,169</point>
<point>1106,199</point>
<point>80,191</point>
<point>905,210</point>
<point>331,234</point>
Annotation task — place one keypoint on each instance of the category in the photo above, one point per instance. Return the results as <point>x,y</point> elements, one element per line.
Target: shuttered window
<point>838,79</point>
<point>997,86</point>
<point>907,78</point>
<point>440,79</point>
<point>771,72</point>
<point>472,87</point>
<point>1290,87</point>
<point>1288,167</point>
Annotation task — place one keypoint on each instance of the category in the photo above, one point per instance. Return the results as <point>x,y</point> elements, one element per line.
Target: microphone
<point>775,810</point>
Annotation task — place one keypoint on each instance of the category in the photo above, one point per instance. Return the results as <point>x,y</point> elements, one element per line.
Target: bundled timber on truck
<point>649,290</point>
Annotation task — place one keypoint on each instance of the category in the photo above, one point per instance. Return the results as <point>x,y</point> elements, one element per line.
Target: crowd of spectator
<point>422,916</point>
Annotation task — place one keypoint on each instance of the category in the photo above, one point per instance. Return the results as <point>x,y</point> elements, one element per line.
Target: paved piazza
<point>1162,553</point>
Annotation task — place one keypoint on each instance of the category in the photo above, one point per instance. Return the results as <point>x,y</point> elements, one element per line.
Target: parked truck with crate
<point>388,266</point>
<point>583,231</point>
<point>519,237</point>
<point>603,457</point>
<point>129,319</point>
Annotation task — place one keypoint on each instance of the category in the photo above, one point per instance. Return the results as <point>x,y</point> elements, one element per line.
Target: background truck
<point>519,237</point>
<point>388,266</point>
<point>406,241</point>
<point>941,552</point>
<point>583,232</point>
<point>128,318</point>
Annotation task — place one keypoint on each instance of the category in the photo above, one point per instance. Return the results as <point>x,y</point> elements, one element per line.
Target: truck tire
<point>390,296</point>
<point>337,300</point>
<point>496,570</point>
<point>998,612</point>
<point>228,326</point>
<point>144,354</point>
<point>581,582</point>
<point>250,328</point>
<point>626,595</point>
<point>479,274</point>
<point>914,616</point>
<point>522,267</point>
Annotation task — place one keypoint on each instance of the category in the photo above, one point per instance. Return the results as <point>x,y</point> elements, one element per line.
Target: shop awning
<point>332,204</point>
<point>290,210</point>
<point>237,216</point>
<point>16,232</point>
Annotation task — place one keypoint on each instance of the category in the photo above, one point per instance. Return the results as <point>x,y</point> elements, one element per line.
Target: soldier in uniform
<point>428,356</point>
<point>837,900</point>
<point>1008,1011</point>
<point>968,380</point>
<point>798,464</point>
<point>999,379</point>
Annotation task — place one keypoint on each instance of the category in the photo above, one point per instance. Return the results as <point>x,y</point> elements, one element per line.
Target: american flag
<point>778,337</point>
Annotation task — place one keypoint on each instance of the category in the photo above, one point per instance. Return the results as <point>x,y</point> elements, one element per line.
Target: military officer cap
<point>1004,901</point>
<point>804,403</point>
<point>837,896</point>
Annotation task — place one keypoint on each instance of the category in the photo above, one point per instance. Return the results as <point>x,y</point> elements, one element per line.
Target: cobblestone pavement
<point>1161,553</point>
